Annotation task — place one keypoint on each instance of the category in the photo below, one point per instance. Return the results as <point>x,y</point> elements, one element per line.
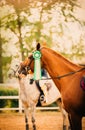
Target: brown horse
<point>66,76</point>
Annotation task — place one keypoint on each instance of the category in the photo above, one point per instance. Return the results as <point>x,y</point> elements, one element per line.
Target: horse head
<point>28,63</point>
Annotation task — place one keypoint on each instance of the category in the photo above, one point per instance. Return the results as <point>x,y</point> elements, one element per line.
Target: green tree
<point>28,32</point>
<point>1,73</point>
<point>4,59</point>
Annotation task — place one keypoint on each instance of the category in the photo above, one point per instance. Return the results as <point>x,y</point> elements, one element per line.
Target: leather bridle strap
<point>28,66</point>
<point>65,75</point>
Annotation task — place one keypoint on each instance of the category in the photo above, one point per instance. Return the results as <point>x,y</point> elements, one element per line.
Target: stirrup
<point>42,98</point>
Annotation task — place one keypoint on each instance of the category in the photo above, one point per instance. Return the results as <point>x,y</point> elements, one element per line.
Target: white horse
<point>30,95</point>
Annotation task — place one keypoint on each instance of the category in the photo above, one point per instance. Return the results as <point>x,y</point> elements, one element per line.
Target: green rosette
<point>37,65</point>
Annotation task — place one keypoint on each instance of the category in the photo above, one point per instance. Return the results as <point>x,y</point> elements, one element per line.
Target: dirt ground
<point>45,120</point>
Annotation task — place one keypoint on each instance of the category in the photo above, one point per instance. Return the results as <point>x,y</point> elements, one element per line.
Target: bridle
<point>31,59</point>
<point>28,66</point>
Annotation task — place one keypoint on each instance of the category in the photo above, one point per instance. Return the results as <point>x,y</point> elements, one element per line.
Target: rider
<point>41,85</point>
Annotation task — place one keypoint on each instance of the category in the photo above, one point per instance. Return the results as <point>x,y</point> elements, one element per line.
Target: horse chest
<point>29,93</point>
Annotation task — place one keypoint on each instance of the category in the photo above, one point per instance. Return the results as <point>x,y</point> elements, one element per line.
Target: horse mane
<point>60,56</point>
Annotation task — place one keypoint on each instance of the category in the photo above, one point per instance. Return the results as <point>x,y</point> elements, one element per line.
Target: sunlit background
<point>60,24</point>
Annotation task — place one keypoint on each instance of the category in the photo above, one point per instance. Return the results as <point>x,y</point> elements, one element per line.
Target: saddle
<point>82,83</point>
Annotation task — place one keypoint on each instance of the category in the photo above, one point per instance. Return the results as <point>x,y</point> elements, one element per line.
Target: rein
<point>58,77</point>
<point>65,75</point>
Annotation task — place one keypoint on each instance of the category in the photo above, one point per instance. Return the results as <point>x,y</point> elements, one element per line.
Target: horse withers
<point>67,77</point>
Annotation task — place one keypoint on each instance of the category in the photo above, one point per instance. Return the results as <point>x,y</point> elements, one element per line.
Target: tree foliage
<point>44,21</point>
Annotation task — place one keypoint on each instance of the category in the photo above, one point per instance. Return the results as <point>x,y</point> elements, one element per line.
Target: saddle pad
<point>82,83</point>
<point>53,93</point>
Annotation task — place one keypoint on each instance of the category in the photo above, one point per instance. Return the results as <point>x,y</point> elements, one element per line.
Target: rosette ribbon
<point>37,65</point>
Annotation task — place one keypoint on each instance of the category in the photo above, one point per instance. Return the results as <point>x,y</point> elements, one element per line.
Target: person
<point>41,84</point>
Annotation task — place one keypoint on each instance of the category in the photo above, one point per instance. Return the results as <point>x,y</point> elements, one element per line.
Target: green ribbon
<point>37,65</point>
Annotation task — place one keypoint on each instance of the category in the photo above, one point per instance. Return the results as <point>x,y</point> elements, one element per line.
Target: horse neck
<point>57,65</point>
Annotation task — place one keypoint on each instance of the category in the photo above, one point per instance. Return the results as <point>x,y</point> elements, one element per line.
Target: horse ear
<point>38,46</point>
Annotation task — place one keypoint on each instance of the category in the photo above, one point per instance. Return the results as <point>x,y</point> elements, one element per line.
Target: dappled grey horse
<point>29,95</point>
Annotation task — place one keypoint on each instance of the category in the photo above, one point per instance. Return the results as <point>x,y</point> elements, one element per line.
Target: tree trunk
<point>20,37</point>
<point>1,71</point>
